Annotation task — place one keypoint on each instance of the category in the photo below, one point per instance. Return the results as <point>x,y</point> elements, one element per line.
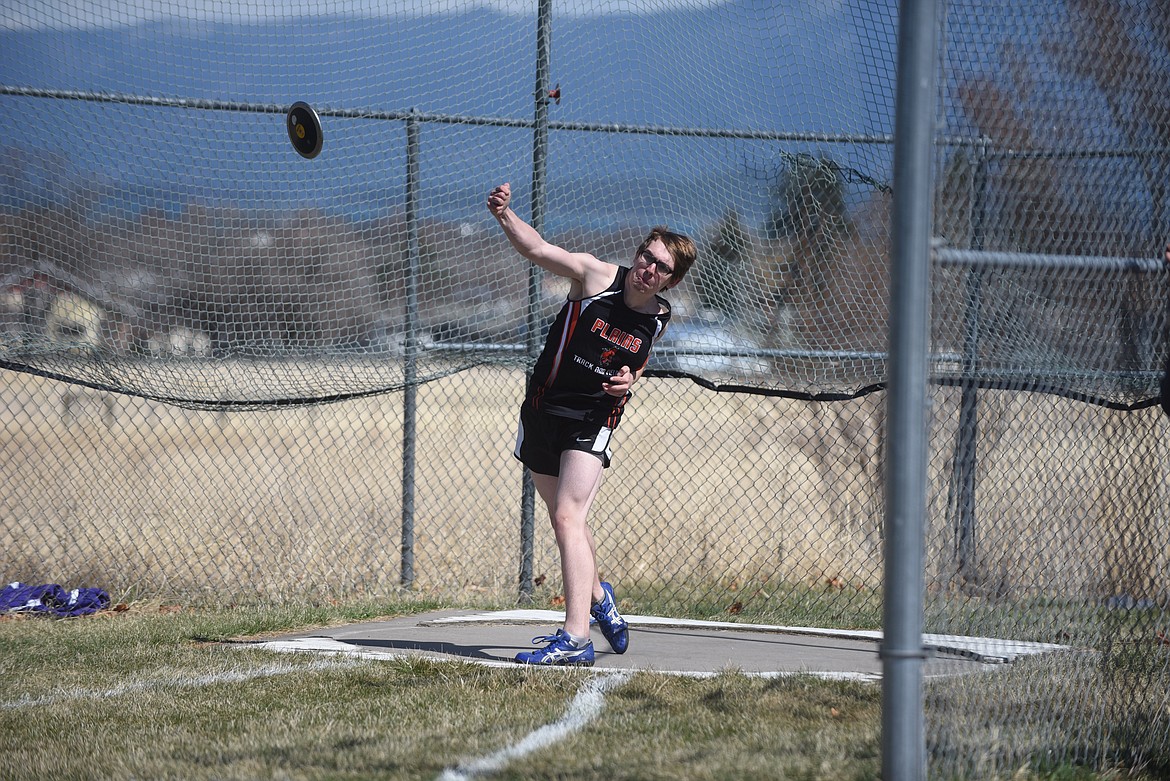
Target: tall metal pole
<point>410,349</point>
<point>903,732</point>
<point>532,341</point>
<point>966,451</point>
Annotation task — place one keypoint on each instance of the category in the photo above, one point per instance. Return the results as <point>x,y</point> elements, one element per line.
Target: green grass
<point>151,693</point>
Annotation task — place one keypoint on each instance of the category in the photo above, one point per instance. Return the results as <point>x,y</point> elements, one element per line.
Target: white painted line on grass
<point>585,707</point>
<point>986,649</point>
<point>179,681</point>
<point>823,675</point>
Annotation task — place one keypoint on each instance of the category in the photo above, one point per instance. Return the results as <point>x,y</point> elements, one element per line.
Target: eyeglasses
<point>660,267</point>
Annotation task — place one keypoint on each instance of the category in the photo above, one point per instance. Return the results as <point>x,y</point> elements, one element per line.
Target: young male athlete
<point>596,349</point>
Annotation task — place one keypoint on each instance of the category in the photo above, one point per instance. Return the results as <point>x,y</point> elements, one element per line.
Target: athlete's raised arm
<point>588,273</point>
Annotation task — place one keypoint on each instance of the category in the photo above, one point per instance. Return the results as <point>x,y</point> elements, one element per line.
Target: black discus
<point>304,130</point>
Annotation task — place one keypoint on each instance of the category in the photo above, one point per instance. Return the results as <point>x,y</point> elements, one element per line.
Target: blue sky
<point>78,14</point>
<point>818,67</point>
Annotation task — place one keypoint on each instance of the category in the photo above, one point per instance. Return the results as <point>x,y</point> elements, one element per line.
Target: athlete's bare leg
<point>569,498</point>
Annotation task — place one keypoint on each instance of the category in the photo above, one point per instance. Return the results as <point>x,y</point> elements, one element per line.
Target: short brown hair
<point>682,250</point>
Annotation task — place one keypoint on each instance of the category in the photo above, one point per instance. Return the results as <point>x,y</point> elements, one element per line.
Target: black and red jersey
<point>589,341</point>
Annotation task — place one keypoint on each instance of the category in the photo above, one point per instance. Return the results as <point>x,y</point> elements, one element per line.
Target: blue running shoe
<point>610,621</point>
<point>558,651</point>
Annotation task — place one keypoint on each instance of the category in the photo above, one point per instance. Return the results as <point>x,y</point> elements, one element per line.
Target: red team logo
<point>617,336</point>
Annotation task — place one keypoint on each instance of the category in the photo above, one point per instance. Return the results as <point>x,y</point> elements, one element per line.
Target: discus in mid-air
<point>304,129</point>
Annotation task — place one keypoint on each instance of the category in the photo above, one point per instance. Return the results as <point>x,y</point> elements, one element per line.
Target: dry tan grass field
<point>706,488</point>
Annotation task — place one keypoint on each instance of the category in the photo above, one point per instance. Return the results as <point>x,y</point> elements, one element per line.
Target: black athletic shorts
<point>542,438</point>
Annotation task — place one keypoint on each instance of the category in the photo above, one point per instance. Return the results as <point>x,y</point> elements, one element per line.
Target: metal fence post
<point>903,742</point>
<point>410,351</point>
<point>532,337</point>
<point>966,540</point>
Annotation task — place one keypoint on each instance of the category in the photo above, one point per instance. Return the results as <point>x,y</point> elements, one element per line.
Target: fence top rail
<point>981,142</point>
<point>414,115</point>
<point>989,150</point>
<point>946,256</point>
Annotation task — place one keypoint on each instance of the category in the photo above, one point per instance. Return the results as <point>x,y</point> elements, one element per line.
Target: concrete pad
<point>659,644</point>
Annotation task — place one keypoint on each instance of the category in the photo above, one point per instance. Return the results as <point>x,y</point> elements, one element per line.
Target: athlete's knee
<point>567,522</point>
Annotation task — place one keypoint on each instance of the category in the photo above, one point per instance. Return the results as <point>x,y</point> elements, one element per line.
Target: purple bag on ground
<point>52,599</point>
<point>84,601</point>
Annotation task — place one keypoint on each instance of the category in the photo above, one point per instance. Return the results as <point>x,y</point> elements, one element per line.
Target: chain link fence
<point>235,375</point>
